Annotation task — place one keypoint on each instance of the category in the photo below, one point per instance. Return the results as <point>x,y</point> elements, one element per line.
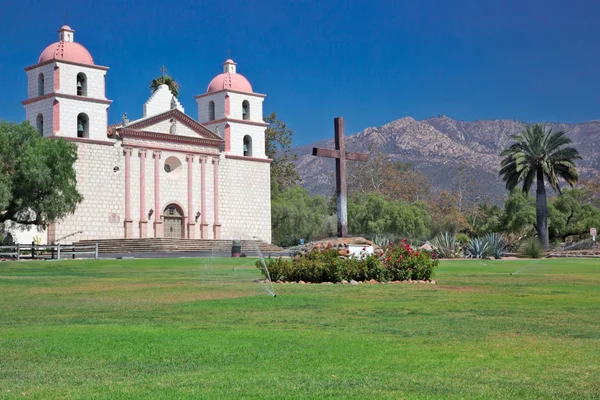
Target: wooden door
<point>173,222</point>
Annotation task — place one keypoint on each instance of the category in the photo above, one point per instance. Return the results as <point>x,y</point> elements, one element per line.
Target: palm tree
<point>167,80</point>
<point>539,154</point>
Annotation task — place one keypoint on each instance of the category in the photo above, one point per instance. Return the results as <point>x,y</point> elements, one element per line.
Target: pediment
<point>173,122</point>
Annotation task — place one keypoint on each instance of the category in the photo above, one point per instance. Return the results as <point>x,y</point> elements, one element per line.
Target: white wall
<point>95,80</point>
<point>245,199</point>
<point>43,107</point>
<point>102,212</point>
<point>96,112</point>
<point>32,80</point>
<point>257,133</point>
<point>160,101</point>
<point>165,127</point>
<point>219,99</point>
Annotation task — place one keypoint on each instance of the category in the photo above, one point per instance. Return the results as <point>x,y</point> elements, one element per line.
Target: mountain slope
<point>453,154</point>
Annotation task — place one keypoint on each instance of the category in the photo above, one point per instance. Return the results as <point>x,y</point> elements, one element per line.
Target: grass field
<point>190,328</point>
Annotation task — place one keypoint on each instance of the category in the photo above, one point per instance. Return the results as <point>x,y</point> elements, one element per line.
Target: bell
<point>79,85</point>
<point>80,127</point>
<point>245,148</point>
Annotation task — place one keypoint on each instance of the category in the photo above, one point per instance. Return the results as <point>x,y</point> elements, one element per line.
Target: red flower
<point>364,248</point>
<point>410,269</point>
<point>347,251</point>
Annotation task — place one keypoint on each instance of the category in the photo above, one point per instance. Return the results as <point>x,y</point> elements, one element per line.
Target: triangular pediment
<point>173,122</point>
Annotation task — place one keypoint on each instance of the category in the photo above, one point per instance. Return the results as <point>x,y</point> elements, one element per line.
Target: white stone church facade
<point>165,174</point>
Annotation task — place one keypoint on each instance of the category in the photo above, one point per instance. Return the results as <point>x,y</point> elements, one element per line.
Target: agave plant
<point>446,246</point>
<point>478,248</point>
<point>497,245</point>
<point>381,240</point>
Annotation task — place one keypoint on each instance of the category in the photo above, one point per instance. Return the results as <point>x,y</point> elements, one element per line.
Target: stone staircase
<point>164,245</point>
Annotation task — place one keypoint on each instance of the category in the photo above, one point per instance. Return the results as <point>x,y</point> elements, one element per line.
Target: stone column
<point>143,220</point>
<point>128,224</point>
<point>158,226</point>
<point>204,223</point>
<point>191,225</point>
<point>217,224</point>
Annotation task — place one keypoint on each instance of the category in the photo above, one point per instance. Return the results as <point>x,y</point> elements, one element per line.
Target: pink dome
<point>67,51</point>
<point>229,81</point>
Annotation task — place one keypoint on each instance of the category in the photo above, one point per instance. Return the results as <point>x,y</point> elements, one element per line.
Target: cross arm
<point>356,156</point>
<point>325,153</point>
<point>319,152</point>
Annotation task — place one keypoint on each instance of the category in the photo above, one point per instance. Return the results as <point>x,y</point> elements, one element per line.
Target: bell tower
<point>234,111</point>
<point>66,91</point>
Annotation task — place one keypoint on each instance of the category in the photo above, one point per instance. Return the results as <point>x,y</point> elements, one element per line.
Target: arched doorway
<point>173,216</point>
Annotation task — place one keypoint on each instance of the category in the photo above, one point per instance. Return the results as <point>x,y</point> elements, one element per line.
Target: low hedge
<point>399,262</point>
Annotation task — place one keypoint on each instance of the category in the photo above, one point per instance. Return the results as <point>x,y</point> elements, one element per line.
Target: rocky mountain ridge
<point>453,154</point>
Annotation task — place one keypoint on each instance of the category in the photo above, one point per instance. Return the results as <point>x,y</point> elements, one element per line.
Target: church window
<point>83,126</point>
<point>247,146</point>
<point>211,111</point>
<point>173,167</point>
<point>81,84</point>
<point>39,124</point>
<point>40,84</point>
<point>246,110</point>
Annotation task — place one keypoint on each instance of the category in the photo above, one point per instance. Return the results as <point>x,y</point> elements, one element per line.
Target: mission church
<point>165,174</point>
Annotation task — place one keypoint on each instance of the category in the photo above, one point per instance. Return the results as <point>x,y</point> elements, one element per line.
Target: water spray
<point>270,290</point>
<point>526,266</point>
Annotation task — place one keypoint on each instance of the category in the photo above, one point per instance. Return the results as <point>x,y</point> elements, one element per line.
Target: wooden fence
<point>49,251</point>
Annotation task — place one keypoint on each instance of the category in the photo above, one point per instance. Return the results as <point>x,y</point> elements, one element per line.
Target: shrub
<point>446,246</point>
<point>478,248</point>
<point>399,262</point>
<point>497,245</point>
<point>462,238</point>
<point>402,263</point>
<point>531,248</point>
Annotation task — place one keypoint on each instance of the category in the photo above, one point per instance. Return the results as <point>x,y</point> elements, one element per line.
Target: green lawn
<point>190,328</point>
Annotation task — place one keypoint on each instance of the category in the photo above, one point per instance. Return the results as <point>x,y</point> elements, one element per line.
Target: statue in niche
<point>173,128</point>
<point>173,103</point>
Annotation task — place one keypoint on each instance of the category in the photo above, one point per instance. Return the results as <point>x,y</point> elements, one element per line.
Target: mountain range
<point>453,154</point>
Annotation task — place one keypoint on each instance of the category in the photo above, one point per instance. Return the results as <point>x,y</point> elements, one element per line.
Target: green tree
<point>518,217</point>
<point>278,140</point>
<point>572,216</point>
<point>167,80</point>
<point>296,215</point>
<point>371,213</point>
<point>541,155</point>
<point>484,218</point>
<point>37,176</point>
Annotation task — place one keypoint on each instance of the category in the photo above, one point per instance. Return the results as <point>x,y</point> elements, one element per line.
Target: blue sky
<point>370,62</point>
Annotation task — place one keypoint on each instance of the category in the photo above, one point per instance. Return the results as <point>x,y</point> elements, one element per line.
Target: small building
<point>165,174</point>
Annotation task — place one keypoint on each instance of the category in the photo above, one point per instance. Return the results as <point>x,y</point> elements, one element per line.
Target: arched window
<point>40,84</point>
<point>247,146</point>
<point>83,126</point>
<point>81,84</point>
<point>39,124</point>
<point>211,111</point>
<point>246,110</point>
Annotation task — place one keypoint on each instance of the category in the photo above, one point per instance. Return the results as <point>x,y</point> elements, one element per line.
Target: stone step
<point>144,245</point>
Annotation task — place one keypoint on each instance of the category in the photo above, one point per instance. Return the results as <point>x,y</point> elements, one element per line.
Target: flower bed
<point>399,262</point>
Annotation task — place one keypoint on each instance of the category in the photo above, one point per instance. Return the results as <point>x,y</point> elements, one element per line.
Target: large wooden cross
<point>341,155</point>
